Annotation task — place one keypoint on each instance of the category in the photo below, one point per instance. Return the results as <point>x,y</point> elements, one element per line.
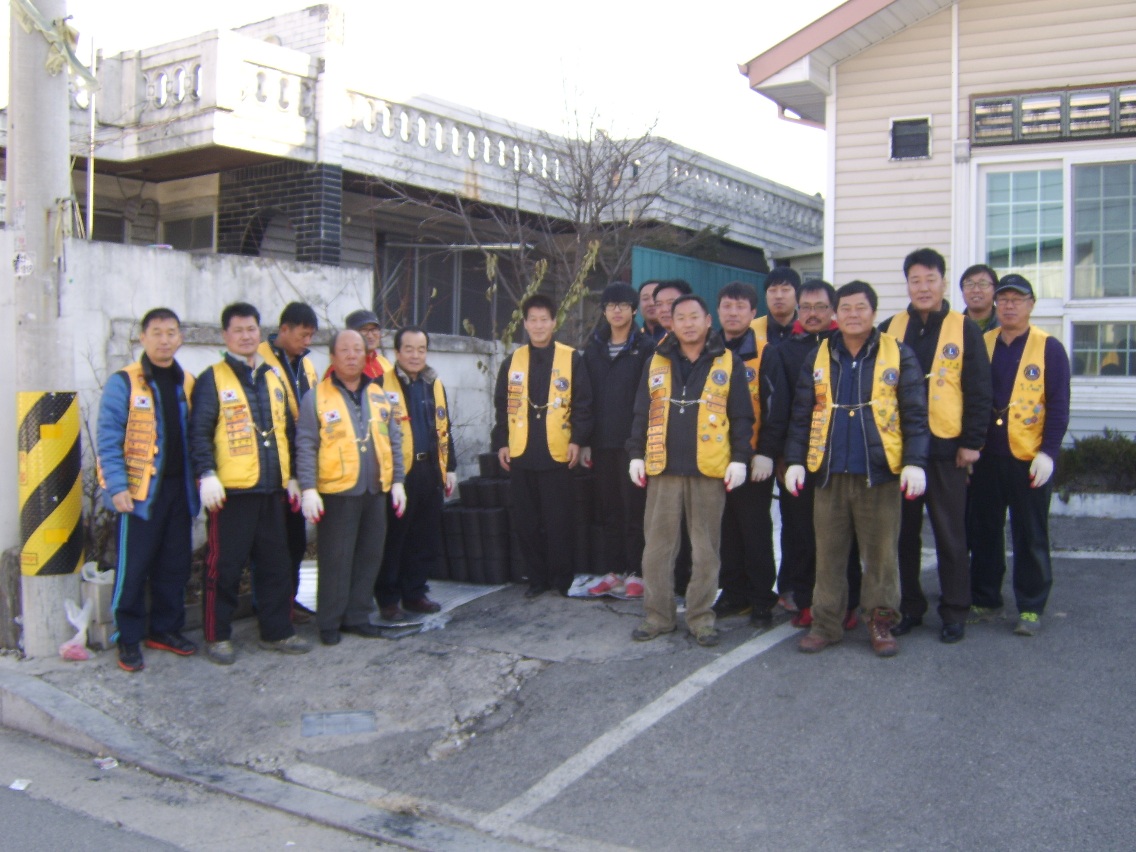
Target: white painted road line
<point>567,773</point>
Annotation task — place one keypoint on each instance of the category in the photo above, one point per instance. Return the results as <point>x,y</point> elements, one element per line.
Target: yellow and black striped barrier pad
<point>51,483</point>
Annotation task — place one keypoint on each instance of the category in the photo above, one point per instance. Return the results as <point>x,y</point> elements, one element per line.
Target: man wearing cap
<point>543,402</point>
<point>978,283</point>
<point>367,324</point>
<point>691,434</point>
<point>615,356</point>
<point>286,351</point>
<point>349,455</point>
<point>412,546</point>
<point>953,357</point>
<point>860,424</point>
<point>1027,422</point>
<point>238,443</point>
<point>647,308</point>
<point>748,568</point>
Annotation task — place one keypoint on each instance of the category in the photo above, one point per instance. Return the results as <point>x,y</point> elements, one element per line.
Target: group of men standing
<point>264,445</point>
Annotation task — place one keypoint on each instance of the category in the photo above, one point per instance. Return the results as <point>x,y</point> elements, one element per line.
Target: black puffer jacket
<point>614,382</point>
<point>911,394</point>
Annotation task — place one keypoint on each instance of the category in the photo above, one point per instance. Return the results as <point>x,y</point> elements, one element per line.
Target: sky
<point>633,67</point>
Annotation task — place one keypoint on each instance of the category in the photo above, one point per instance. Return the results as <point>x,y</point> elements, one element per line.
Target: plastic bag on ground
<point>76,647</point>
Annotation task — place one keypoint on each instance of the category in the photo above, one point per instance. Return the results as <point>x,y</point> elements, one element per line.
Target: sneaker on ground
<point>221,652</point>
<point>173,642</point>
<point>633,586</point>
<point>725,608</point>
<point>707,637</point>
<point>1029,624</point>
<point>851,620</point>
<point>983,614</point>
<point>802,617</point>
<point>290,645</point>
<point>130,657</point>
<point>606,584</point>
<point>646,631</point>
<point>786,603</point>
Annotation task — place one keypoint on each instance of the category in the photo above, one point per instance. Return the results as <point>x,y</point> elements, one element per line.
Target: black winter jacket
<point>780,368</point>
<point>912,398</point>
<point>614,382</point>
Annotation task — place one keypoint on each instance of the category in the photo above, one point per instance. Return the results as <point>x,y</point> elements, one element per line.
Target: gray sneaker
<point>1029,624</point>
<point>983,614</point>
<point>221,653</point>
<point>707,637</point>
<point>292,645</point>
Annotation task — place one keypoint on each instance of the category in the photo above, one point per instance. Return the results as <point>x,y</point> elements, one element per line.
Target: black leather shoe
<point>369,630</point>
<point>537,589</point>
<point>952,633</point>
<point>905,625</point>
<point>329,637</point>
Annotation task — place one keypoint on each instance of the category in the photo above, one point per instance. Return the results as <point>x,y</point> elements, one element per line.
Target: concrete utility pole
<point>39,189</point>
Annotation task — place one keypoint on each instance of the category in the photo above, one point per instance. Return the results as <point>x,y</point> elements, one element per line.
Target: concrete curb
<point>28,704</point>
<point>1108,506</point>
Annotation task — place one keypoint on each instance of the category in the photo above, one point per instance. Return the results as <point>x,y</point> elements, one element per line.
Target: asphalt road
<point>999,742</point>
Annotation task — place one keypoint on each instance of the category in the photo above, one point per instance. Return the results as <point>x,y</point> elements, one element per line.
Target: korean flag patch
<point>392,398</point>
<point>229,396</point>
<point>142,402</point>
<point>657,381</point>
<point>330,417</point>
<point>516,377</point>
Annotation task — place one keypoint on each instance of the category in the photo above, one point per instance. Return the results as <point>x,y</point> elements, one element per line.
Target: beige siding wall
<point>884,209</point>
<point>1011,45</point>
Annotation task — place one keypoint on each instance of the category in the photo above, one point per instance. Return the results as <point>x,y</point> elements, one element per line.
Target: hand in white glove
<point>735,475</point>
<point>294,495</point>
<point>637,470</point>
<point>761,468</point>
<point>398,499</point>
<point>794,478</point>
<point>1041,468</point>
<point>451,483</point>
<point>586,456</point>
<point>312,504</point>
<point>212,493</point>
<point>912,481</point>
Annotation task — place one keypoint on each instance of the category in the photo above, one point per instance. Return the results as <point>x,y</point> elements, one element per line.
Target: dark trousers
<point>748,568</point>
<point>620,507</point>
<point>543,517</point>
<point>297,531</point>
<point>1000,483</point>
<point>412,550</point>
<point>798,551</point>
<point>156,550</point>
<point>248,525</point>
<point>945,499</point>
<point>350,548</point>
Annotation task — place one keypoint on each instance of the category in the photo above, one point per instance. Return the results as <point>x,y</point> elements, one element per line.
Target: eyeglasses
<point>819,308</point>
<point>977,285</point>
<point>618,306</point>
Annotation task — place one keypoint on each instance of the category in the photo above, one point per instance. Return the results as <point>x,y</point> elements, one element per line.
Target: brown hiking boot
<point>879,632</point>
<point>812,643</point>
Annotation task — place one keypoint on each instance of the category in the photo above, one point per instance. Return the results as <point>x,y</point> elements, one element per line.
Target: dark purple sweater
<point>1004,371</point>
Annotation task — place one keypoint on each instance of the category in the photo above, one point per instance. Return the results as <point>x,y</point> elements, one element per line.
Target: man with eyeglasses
<point>860,424</point>
<point>1027,422</point>
<point>978,283</point>
<point>953,358</point>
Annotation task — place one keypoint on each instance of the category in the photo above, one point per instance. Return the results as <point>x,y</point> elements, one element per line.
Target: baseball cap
<point>357,319</point>
<point>1014,282</point>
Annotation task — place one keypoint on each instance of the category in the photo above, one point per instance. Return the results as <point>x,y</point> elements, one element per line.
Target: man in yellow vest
<point>749,571</point>
<point>286,351</point>
<point>782,284</point>
<point>349,455</point>
<point>239,438</point>
<point>689,445</point>
<point>859,424</point>
<point>543,402</point>
<point>953,357</point>
<point>144,470</point>
<point>1027,422</point>
<point>413,540</point>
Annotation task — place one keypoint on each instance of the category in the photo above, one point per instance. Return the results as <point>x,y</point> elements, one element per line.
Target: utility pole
<point>39,219</point>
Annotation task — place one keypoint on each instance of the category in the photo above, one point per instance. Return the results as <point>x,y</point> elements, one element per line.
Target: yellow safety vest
<point>884,404</point>
<point>141,442</point>
<point>441,424</point>
<point>557,428</point>
<point>266,352</point>
<point>1025,412</point>
<point>753,382</point>
<point>339,450</point>
<point>760,326</point>
<point>944,383</point>
<point>236,436</point>
<point>713,428</point>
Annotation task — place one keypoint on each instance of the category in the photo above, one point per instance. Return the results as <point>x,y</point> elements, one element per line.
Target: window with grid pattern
<point>1025,229</point>
<point>1104,349</point>
<point>1104,216</point>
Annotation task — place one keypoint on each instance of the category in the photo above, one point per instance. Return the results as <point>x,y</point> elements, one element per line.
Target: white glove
<point>586,456</point>
<point>1041,468</point>
<point>761,468</point>
<point>637,470</point>
<point>212,492</point>
<point>912,481</point>
<point>794,478</point>
<point>398,499</point>
<point>451,483</point>
<point>735,475</point>
<point>294,496</point>
<point>312,504</point>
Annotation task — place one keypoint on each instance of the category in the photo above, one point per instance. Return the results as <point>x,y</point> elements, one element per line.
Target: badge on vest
<point>392,398</point>
<point>561,385</point>
<point>657,381</point>
<point>751,374</point>
<point>517,377</point>
<point>229,396</point>
<point>719,377</point>
<point>440,414</point>
<point>331,416</point>
<point>1032,372</point>
<point>279,395</point>
<point>142,402</point>
<point>950,351</point>
<point>891,377</point>
<point>818,376</point>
